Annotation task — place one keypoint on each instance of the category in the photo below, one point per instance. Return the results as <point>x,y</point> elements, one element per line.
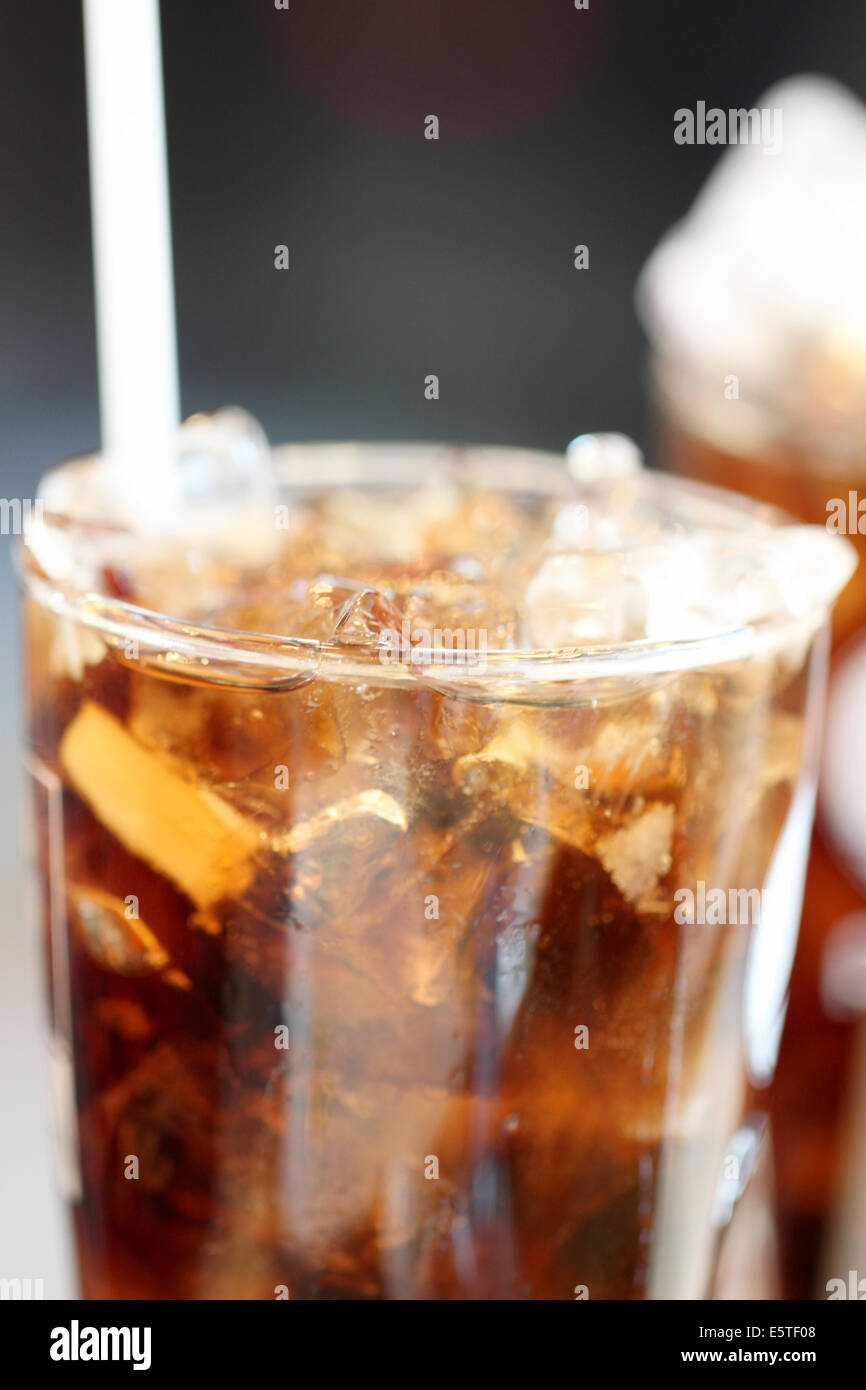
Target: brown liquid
<point>425,900</point>
<point>809,1089</point>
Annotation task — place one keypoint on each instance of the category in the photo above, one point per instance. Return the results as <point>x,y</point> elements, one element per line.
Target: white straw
<point>136,332</point>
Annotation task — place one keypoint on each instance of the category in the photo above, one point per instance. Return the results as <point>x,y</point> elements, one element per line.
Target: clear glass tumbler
<point>421,856</point>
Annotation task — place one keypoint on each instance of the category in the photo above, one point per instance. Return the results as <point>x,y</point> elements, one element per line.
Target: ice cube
<point>74,647</point>
<point>603,458</point>
<point>164,1112</point>
<point>223,458</point>
<point>344,1134</point>
<point>192,836</point>
<point>809,568</point>
<point>118,942</point>
<point>635,752</point>
<point>584,600</point>
<point>239,736</point>
<point>328,608</point>
<point>638,854</point>
<point>369,619</point>
<point>373,803</point>
<point>535,768</point>
<point>394,528</point>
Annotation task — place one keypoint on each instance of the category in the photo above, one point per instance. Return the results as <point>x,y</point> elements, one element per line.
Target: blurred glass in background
<point>756,309</point>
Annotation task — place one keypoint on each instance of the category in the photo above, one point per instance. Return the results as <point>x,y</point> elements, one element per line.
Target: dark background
<point>408,256</point>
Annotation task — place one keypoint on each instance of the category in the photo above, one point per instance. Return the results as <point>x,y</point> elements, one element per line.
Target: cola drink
<point>416,857</point>
<point>813,1078</point>
<point>758,370</point>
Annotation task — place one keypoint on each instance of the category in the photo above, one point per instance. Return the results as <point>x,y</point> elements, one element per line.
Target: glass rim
<point>207,652</point>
